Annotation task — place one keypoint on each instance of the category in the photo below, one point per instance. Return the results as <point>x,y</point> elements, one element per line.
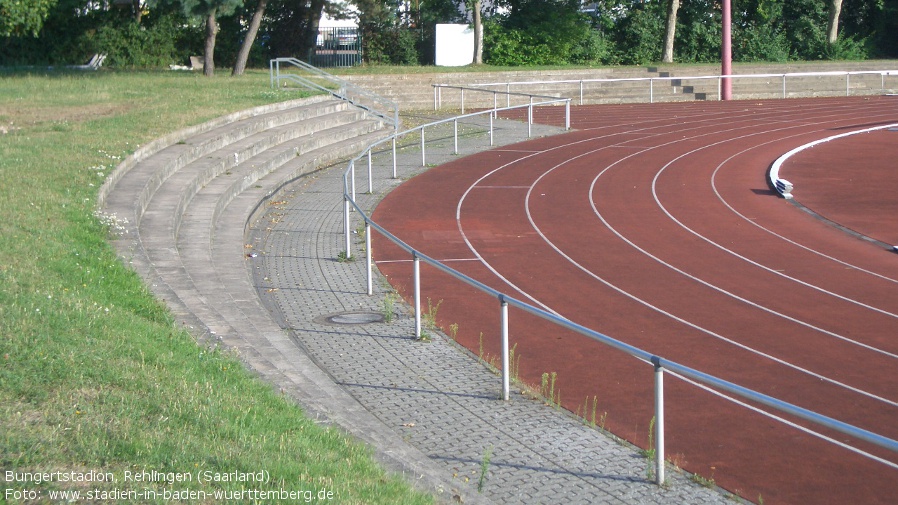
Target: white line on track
<point>775,234</point>
<point>620,290</point>
<point>744,258</point>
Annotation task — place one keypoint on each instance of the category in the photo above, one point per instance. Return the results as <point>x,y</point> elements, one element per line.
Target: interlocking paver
<point>436,396</point>
<point>430,410</point>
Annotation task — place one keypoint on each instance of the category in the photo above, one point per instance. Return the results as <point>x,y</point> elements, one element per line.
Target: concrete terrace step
<point>415,91</point>
<point>136,182</point>
<point>185,236</point>
<point>201,203</point>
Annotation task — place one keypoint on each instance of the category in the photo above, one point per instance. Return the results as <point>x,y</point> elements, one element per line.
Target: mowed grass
<point>95,376</point>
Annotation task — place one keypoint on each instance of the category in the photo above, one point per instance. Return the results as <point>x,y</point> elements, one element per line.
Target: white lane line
<point>740,256</point>
<point>775,234</point>
<point>747,301</point>
<point>618,289</point>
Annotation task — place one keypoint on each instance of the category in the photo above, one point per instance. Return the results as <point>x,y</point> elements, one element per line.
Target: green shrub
<point>132,46</point>
<point>391,46</point>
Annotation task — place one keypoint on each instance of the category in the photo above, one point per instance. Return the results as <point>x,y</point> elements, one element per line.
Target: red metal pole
<point>726,56</point>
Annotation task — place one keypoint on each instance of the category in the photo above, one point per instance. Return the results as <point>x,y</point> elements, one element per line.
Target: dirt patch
<point>13,117</point>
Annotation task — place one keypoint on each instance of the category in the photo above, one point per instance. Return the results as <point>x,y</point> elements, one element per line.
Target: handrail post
<point>567,115</point>
<point>462,100</point>
<point>435,88</point>
<point>423,154</point>
<point>530,119</point>
<point>455,133</point>
<point>506,371</point>
<point>394,156</point>
<point>370,175</point>
<point>417,282</point>
<point>491,130</point>
<point>848,84</point>
<point>346,224</point>
<point>659,421</point>
<point>368,256</point>
<point>352,178</point>
<point>581,91</point>
<point>784,85</point>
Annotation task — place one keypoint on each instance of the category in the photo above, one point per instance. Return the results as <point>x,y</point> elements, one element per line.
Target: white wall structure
<point>455,45</point>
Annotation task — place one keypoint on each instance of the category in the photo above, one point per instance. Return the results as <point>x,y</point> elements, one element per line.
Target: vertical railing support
<point>346,225</point>
<point>784,85</point>
<point>506,367</point>
<point>530,119</point>
<point>491,130</point>
<point>462,101</point>
<point>659,421</point>
<point>352,178</point>
<point>370,175</point>
<point>417,283</point>
<point>455,133</point>
<point>423,154</point>
<point>368,256</point>
<point>567,115</point>
<point>394,156</point>
<point>581,91</point>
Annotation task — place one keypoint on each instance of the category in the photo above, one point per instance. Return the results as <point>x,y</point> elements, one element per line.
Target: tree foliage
<point>156,33</point>
<point>20,17</point>
<point>541,32</point>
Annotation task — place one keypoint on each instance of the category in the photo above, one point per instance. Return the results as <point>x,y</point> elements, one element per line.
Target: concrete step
<point>174,193</point>
<point>415,91</point>
<point>138,179</point>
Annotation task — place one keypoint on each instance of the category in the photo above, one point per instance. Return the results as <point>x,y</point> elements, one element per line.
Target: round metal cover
<point>354,317</point>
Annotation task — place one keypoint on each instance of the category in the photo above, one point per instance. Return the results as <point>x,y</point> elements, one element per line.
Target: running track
<point>654,224</point>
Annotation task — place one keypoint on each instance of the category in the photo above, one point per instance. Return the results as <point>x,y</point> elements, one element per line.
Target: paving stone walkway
<point>437,397</point>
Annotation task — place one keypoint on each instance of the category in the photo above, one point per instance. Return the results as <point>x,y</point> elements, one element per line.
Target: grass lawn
<point>96,380</point>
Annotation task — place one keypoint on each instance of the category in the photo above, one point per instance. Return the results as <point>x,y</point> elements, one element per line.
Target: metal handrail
<point>719,78</point>
<point>659,363</point>
<point>438,96</point>
<point>359,97</point>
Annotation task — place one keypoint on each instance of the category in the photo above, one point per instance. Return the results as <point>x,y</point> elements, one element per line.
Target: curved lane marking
<point>620,290</point>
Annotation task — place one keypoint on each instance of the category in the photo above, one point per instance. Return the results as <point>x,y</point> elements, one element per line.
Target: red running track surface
<point>655,225</point>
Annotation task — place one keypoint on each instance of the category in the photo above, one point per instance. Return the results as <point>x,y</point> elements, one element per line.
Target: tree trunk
<point>478,34</point>
<point>209,52</point>
<point>138,10</point>
<point>310,32</point>
<point>670,34</point>
<point>243,55</point>
<point>832,32</point>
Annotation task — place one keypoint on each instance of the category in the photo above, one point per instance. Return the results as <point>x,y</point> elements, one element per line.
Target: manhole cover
<point>354,318</point>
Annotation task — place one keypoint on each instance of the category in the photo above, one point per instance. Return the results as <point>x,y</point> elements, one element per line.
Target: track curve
<point>654,224</point>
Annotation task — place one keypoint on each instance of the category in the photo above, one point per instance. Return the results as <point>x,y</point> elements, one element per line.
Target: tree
<point>254,24</point>
<point>832,31</point>
<point>667,55</point>
<point>209,10</point>
<point>478,34</point>
<point>293,26</point>
<point>20,18</point>
<point>541,32</point>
